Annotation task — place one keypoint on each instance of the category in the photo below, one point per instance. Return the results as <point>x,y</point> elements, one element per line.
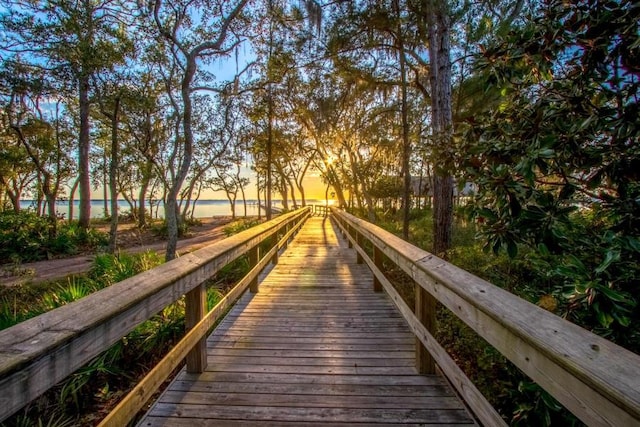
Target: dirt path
<point>130,240</point>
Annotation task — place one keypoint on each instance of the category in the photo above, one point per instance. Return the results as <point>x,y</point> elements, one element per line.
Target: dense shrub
<point>26,237</point>
<point>239,225</point>
<point>516,397</point>
<point>160,228</point>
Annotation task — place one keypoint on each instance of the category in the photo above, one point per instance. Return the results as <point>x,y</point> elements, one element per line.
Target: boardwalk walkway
<point>315,346</point>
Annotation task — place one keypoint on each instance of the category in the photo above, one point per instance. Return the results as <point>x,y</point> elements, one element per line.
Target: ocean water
<point>203,209</point>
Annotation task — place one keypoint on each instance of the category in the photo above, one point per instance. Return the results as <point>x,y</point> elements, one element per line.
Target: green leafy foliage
<point>112,371</point>
<point>26,236</point>
<point>520,401</point>
<point>111,269</point>
<point>239,225</point>
<point>557,163</point>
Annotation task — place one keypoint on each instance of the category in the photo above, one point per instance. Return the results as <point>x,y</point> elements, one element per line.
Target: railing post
<point>274,260</point>
<point>254,257</point>
<point>425,311</point>
<point>349,231</point>
<point>286,231</point>
<point>195,310</point>
<point>359,259</point>
<point>377,260</point>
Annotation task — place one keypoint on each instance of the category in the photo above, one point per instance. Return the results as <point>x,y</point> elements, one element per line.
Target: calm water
<point>204,208</point>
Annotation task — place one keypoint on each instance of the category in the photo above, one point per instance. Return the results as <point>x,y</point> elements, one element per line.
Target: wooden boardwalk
<point>315,346</point>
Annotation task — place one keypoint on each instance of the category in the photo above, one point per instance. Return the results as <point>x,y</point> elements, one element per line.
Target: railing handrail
<point>597,380</point>
<point>38,353</point>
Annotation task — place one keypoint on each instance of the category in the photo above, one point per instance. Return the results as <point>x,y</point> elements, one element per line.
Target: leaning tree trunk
<point>439,54</point>
<point>172,214</point>
<point>147,170</point>
<point>72,197</point>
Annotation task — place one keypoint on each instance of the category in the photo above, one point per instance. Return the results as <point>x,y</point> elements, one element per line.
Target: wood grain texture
<point>316,346</point>
<point>594,378</point>
<point>38,353</point>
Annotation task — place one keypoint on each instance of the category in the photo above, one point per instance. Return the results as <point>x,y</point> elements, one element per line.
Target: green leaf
<point>566,271</point>
<point>614,295</point>
<point>633,243</point>
<point>543,249</point>
<point>575,262</point>
<point>512,248</point>
<point>546,153</point>
<point>610,257</point>
<point>605,319</point>
<point>550,402</point>
<point>621,319</point>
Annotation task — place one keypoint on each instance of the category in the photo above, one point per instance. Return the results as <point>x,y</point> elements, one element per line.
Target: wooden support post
<point>377,260</point>
<point>425,311</point>
<point>274,260</point>
<point>286,231</point>
<point>254,257</point>
<point>349,232</point>
<point>195,310</point>
<point>359,259</point>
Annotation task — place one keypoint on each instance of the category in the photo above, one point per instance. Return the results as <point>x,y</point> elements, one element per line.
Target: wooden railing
<point>320,210</point>
<point>596,380</point>
<point>38,353</point>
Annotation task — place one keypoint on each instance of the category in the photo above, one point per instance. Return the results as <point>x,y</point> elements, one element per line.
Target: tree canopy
<point>528,110</point>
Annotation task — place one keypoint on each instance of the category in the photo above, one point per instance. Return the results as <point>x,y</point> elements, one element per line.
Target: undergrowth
<point>520,401</point>
<point>87,395</point>
<point>25,237</point>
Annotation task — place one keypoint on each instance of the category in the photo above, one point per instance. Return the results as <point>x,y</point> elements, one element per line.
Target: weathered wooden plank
<point>390,379</point>
<point>595,379</point>
<point>303,323</point>
<point>187,422</point>
<point>306,354</point>
<point>236,398</point>
<point>281,387</point>
<point>311,347</point>
<point>40,352</point>
<point>481,408</point>
<point>315,334</point>
<point>352,415</point>
<point>340,341</point>
<point>333,361</point>
<point>284,345</point>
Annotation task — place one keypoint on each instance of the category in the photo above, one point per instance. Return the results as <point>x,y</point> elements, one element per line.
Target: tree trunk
<point>334,181</point>
<point>269,184</point>
<point>172,214</point>
<point>105,177</point>
<point>113,177</point>
<point>293,194</point>
<point>406,143</point>
<point>284,195</point>
<point>72,196</point>
<point>244,200</point>
<point>258,195</point>
<point>15,199</point>
<point>144,186</point>
<point>439,54</point>
<point>83,152</point>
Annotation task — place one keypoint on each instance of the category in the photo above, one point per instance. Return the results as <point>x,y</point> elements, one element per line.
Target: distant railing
<point>596,380</point>
<point>320,210</point>
<point>38,353</point>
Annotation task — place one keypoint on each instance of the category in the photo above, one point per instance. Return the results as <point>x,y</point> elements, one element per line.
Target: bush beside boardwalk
<point>519,400</point>
<point>90,393</point>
